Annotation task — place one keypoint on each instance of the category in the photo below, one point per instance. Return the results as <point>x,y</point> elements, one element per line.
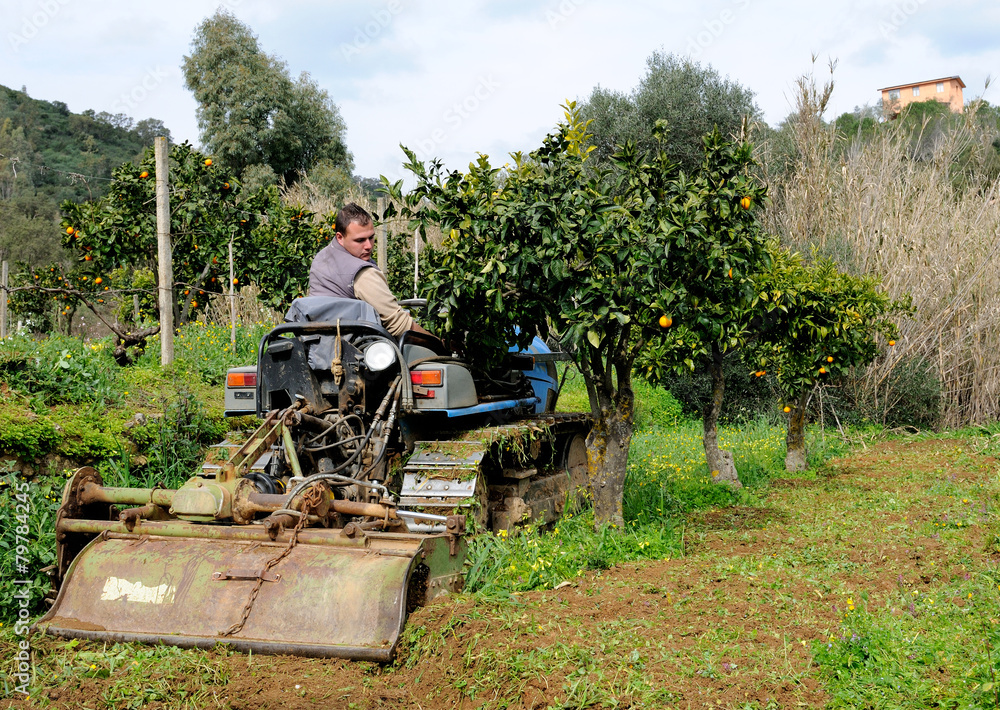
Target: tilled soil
<point>731,624</point>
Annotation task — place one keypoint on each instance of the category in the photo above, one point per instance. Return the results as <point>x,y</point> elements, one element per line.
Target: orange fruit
<point>666,321</point>
<point>235,281</point>
<point>208,162</point>
<point>143,174</point>
<point>88,258</point>
<point>829,358</point>
<point>787,409</point>
<point>891,343</point>
<point>187,291</point>
<point>69,230</point>
<point>730,272</point>
<point>194,304</point>
<point>98,280</point>
<point>822,370</point>
<point>225,186</point>
<point>745,202</point>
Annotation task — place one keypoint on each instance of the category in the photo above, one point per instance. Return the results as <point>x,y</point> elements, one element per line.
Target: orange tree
<point>591,256</point>
<point>719,251</point>
<point>272,243</point>
<point>818,324</point>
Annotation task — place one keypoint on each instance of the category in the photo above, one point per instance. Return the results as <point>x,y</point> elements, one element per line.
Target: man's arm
<point>371,287</point>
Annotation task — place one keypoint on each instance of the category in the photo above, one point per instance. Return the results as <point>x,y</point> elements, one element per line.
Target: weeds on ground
<point>208,349</point>
<point>60,370</point>
<point>514,561</point>
<point>28,541</point>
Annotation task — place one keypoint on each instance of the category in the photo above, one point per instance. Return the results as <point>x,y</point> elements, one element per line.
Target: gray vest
<point>333,271</point>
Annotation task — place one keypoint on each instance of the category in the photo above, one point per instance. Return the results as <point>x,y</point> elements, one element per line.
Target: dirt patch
<point>735,518</point>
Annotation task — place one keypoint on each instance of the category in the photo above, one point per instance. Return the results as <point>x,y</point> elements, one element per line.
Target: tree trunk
<point>795,440</point>
<point>607,459</point>
<point>720,461</point>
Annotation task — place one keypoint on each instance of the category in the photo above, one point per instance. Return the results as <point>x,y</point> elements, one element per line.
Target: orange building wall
<point>952,94</point>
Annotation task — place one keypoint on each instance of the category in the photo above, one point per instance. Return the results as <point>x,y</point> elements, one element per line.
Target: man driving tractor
<point>345,269</point>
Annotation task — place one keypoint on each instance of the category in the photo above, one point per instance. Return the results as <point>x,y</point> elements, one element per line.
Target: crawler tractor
<point>345,510</point>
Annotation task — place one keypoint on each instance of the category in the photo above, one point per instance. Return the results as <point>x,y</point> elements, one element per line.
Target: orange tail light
<point>427,378</point>
<point>241,379</point>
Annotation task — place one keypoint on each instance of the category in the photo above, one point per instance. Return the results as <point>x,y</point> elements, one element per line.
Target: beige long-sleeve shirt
<point>372,288</point>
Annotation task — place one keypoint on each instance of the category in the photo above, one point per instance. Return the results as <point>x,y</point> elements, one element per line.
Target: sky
<point>451,79</point>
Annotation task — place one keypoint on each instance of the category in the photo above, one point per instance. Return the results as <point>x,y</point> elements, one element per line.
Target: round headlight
<point>379,356</point>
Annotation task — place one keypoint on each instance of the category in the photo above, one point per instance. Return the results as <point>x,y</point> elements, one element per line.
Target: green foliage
<point>207,350</point>
<point>747,395</point>
<point>856,125</point>
<point>592,257</point>
<point>27,437</point>
<point>59,369</point>
<point>596,255</point>
<point>692,99</point>
<point>399,269</point>
<point>510,562</point>
<point>67,397</point>
<point>252,114</point>
<point>272,242</point>
<point>29,532</point>
<point>909,397</point>
<point>668,478</point>
<point>178,441</point>
<point>35,308</point>
<point>57,143</point>
<point>49,155</point>
<point>820,323</point>
<point>656,406</point>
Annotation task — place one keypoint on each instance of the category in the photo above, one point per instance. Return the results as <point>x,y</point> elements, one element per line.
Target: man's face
<point>358,240</point>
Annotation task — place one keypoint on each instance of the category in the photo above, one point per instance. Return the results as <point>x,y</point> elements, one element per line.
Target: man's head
<point>355,231</point>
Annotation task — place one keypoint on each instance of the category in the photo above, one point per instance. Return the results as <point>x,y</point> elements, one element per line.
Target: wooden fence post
<point>232,298</point>
<point>164,255</point>
<point>4,295</point>
<point>383,235</point>
<point>416,261</point>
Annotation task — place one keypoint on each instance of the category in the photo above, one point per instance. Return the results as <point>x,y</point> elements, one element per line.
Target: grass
<point>814,549</point>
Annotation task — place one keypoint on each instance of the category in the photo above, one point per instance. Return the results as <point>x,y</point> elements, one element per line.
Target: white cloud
<point>419,74</point>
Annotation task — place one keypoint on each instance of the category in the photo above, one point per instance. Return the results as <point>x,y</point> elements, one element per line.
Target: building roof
<point>929,81</point>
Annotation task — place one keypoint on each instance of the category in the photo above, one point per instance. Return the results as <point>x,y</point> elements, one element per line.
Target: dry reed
<point>926,224</point>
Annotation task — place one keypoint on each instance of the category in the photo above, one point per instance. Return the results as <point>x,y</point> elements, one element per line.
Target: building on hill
<point>947,90</point>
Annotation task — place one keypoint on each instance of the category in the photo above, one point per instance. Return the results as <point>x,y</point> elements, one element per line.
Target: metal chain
<point>310,500</point>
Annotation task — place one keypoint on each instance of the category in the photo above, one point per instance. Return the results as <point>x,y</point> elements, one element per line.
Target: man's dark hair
<point>352,213</point>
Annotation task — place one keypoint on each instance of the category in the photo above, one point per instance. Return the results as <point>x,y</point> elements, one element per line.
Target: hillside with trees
<point>49,154</point>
